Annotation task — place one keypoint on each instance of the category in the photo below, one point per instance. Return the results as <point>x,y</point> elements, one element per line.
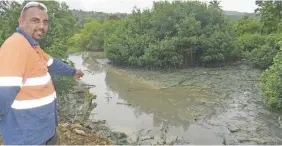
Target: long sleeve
<point>12,69</point>
<point>58,67</point>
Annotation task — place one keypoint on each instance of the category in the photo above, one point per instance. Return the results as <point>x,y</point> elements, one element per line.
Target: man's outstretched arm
<point>58,67</point>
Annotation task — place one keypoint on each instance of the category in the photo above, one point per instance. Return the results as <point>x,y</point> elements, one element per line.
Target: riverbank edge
<point>79,122</point>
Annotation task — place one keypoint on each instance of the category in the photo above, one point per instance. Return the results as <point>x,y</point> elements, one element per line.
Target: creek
<point>191,106</point>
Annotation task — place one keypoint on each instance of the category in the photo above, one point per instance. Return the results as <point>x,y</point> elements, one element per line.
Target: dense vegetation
<point>271,27</point>
<point>171,35</point>
<point>168,36</point>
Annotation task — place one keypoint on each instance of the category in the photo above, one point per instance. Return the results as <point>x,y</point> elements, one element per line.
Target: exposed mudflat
<point>240,116</point>
<point>191,106</point>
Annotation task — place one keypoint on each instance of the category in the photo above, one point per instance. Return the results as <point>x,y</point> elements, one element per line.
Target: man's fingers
<point>78,74</point>
<point>77,78</point>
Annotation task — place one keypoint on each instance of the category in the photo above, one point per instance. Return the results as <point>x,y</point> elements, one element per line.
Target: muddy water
<point>199,106</point>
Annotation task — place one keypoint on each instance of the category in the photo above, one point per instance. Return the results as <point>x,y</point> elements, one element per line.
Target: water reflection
<point>172,106</point>
<point>150,108</point>
<point>93,67</point>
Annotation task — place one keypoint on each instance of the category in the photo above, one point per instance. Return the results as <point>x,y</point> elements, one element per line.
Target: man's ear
<point>20,21</point>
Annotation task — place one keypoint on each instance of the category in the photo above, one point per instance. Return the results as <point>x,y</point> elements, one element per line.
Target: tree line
<point>171,35</point>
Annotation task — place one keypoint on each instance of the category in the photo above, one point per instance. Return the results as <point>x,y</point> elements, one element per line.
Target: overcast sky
<point>126,6</point>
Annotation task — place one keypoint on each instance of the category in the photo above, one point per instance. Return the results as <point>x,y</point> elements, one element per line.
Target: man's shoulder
<point>15,41</point>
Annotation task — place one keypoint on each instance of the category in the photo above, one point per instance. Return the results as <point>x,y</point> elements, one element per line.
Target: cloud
<point>126,6</point>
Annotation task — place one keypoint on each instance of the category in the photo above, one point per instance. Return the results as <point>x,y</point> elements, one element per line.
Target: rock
<point>64,129</point>
<point>80,91</point>
<point>88,125</point>
<point>119,138</point>
<point>65,124</point>
<point>77,126</point>
<point>80,135</point>
<point>94,104</point>
<point>104,143</point>
<point>79,132</point>
<point>233,128</point>
<point>224,141</point>
<point>68,134</point>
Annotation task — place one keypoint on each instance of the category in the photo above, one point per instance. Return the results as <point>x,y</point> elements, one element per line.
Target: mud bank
<point>190,106</point>
<point>241,116</point>
<point>74,110</point>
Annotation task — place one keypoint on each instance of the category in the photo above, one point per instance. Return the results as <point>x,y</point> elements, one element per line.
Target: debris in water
<point>279,121</point>
<point>233,129</point>
<point>88,71</point>
<point>174,141</point>
<point>124,103</point>
<point>148,138</point>
<point>224,141</point>
<point>86,85</point>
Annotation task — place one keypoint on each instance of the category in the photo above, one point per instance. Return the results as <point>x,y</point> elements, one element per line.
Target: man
<point>27,94</point>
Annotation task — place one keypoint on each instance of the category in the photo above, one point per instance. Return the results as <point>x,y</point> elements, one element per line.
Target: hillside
<point>235,15</point>
<point>83,17</point>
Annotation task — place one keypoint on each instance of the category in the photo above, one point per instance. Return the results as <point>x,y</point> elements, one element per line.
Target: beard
<point>38,34</point>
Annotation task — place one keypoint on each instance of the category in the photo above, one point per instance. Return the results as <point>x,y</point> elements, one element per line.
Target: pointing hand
<point>78,74</point>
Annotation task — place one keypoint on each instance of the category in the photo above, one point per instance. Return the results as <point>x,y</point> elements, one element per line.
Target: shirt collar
<point>32,41</point>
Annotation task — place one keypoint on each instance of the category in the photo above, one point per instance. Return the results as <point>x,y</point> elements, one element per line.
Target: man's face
<point>34,22</point>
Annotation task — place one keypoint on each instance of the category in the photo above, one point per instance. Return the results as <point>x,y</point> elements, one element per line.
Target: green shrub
<point>271,80</point>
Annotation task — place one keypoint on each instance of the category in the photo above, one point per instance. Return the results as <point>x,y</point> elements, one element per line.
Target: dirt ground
<point>75,134</point>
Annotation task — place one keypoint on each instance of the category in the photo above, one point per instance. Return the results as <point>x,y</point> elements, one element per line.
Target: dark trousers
<point>55,140</point>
